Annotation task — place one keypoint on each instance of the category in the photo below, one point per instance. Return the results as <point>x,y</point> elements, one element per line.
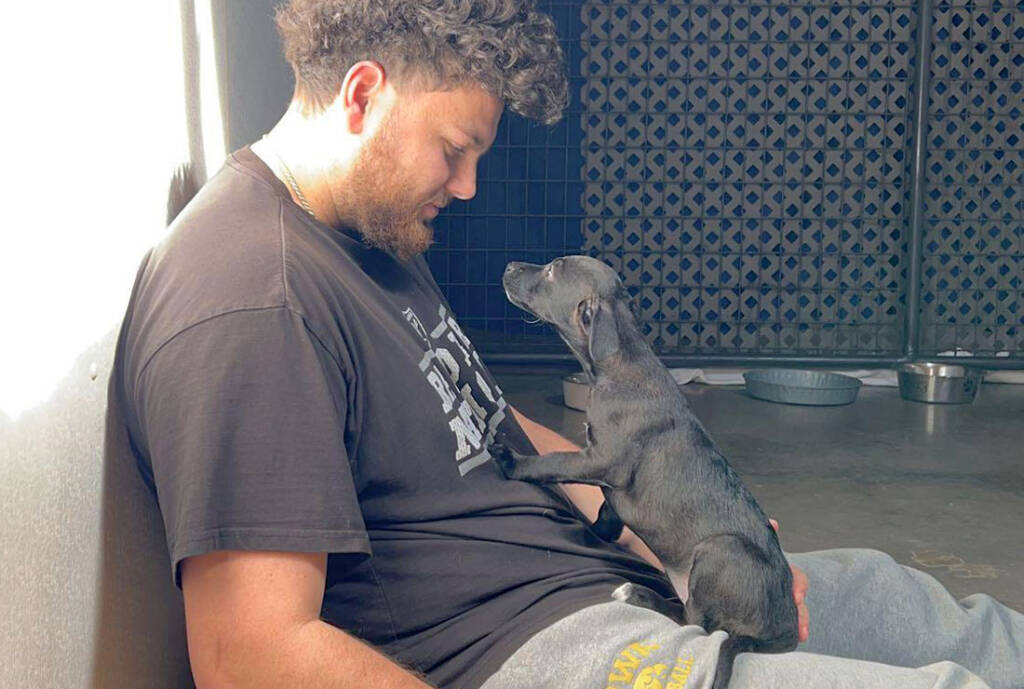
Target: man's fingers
<point>799,595</point>
<point>804,622</point>
<point>799,584</point>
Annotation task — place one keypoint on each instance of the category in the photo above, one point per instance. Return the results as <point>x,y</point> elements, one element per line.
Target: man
<point>314,423</point>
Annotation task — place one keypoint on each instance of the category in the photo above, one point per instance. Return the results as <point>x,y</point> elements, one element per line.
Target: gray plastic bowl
<point>792,386</point>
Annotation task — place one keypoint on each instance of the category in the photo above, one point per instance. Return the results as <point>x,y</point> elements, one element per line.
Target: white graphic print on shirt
<point>452,367</point>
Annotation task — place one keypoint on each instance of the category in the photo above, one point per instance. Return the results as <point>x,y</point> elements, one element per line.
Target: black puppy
<point>657,466</point>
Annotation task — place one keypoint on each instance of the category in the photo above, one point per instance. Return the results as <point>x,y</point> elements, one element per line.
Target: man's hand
<point>799,594</point>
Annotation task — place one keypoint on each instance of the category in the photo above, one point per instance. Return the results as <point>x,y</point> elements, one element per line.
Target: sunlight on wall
<point>98,130</point>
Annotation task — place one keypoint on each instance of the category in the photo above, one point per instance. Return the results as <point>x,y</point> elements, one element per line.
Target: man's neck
<point>291,150</point>
<point>296,177</point>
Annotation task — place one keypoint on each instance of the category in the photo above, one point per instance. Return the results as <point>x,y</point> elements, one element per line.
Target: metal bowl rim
<point>937,369</point>
<point>842,382</point>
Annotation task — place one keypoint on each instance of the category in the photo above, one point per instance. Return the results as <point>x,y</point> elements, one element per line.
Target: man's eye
<point>456,151</point>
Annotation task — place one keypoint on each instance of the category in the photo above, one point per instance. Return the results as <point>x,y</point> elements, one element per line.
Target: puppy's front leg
<point>555,467</point>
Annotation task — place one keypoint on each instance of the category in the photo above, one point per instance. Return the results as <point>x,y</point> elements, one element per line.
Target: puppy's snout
<point>513,276</point>
<point>513,268</point>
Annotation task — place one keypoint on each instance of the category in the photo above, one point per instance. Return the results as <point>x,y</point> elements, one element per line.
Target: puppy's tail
<point>726,655</point>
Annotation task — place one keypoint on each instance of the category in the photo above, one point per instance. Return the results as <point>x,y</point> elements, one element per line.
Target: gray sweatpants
<point>874,624</point>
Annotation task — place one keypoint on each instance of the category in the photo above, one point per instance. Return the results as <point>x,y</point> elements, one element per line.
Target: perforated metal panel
<point>974,197</point>
<point>527,208</point>
<point>747,169</point>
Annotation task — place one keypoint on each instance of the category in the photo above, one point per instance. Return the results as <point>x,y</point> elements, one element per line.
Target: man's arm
<point>588,499</point>
<point>253,621</point>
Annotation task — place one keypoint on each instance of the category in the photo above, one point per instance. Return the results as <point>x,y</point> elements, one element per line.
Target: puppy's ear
<point>598,322</point>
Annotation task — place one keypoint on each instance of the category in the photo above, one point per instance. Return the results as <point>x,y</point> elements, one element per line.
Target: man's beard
<point>379,203</point>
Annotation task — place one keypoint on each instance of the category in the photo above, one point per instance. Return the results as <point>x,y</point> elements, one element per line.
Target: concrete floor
<point>940,488</point>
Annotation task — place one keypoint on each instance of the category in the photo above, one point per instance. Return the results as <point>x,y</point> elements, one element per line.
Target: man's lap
<point>863,604</point>
<point>873,623</point>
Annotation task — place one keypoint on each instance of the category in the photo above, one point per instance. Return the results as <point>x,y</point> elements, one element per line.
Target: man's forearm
<point>319,656</point>
<point>588,499</point>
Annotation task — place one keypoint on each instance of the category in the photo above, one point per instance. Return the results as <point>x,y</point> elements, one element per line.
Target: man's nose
<point>462,185</point>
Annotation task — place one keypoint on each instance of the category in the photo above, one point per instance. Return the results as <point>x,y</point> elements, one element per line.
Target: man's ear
<point>362,85</point>
<point>598,322</point>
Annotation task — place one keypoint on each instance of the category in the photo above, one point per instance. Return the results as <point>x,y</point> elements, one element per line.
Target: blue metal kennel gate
<point>801,182</point>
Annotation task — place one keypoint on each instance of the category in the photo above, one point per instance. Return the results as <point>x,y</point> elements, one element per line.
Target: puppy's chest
<point>603,434</point>
<point>632,424</point>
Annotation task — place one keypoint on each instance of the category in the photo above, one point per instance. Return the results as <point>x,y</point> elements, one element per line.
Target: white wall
<point>105,102</point>
<point>95,131</point>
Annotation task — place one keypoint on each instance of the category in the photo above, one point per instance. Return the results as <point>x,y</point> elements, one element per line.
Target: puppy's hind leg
<point>643,597</point>
<point>727,653</point>
<point>735,587</point>
<point>609,525</point>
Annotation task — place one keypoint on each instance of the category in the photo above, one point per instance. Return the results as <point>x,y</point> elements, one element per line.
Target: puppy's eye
<point>549,272</point>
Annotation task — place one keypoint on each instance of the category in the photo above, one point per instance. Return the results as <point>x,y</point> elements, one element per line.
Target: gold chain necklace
<point>290,178</point>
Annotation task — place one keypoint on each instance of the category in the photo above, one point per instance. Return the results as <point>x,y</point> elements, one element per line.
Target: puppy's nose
<point>513,268</point>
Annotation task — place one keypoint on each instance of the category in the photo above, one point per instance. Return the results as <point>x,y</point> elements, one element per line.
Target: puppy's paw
<point>504,457</point>
<point>625,593</point>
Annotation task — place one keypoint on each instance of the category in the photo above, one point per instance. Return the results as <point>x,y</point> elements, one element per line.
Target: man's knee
<point>842,558</point>
<point>876,557</point>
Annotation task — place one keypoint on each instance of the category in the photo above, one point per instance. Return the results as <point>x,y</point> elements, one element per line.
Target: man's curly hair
<point>507,47</point>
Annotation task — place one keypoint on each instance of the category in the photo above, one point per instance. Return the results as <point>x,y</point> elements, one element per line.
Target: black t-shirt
<point>288,388</point>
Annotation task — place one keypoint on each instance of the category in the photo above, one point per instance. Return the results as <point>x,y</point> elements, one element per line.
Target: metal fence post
<point>922,79</point>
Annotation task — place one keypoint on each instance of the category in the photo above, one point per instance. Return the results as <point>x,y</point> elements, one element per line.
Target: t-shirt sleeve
<point>243,416</point>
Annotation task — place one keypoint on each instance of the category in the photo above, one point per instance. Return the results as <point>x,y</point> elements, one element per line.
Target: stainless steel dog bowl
<point>937,383</point>
<point>792,386</point>
<point>576,391</point>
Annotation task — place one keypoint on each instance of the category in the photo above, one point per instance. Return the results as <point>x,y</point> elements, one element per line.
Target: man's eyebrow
<point>477,141</point>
